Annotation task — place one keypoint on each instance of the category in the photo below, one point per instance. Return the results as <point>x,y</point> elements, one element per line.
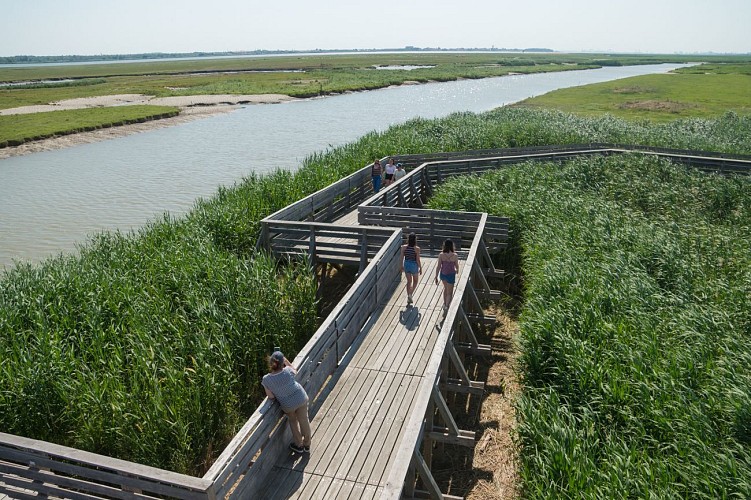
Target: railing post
<point>426,181</point>
<point>363,251</point>
<point>312,247</point>
<point>263,242</point>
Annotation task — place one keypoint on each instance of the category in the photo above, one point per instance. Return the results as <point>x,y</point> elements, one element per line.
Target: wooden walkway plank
<point>359,425</point>
<point>376,442</point>
<point>356,425</point>
<point>393,438</point>
<point>281,483</point>
<point>344,409</point>
<point>367,440</point>
<point>349,219</point>
<point>309,485</point>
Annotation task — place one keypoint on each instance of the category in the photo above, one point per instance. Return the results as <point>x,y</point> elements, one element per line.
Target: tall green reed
<point>637,310</point>
<point>149,345</point>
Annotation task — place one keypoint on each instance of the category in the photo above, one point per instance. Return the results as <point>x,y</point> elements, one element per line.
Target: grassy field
<point>701,91</point>
<point>17,129</point>
<point>297,76</point>
<point>634,330</point>
<point>337,62</point>
<point>149,346</point>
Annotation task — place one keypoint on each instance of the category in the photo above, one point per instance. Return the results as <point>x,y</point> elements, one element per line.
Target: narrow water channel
<point>51,201</point>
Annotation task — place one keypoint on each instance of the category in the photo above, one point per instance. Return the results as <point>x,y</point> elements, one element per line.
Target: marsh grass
<point>17,129</point>
<point>701,91</point>
<point>634,329</point>
<point>149,346</point>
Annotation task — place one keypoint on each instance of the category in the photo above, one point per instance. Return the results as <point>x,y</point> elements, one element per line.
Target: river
<point>51,201</point>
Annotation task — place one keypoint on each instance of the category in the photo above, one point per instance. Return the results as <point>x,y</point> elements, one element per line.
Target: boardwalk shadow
<point>293,481</point>
<point>410,317</point>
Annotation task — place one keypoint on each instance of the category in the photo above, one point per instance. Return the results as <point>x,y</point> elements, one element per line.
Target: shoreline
<point>191,108</point>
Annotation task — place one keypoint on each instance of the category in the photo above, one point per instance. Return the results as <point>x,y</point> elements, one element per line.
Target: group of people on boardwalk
<point>280,383</point>
<point>448,266</point>
<point>389,174</point>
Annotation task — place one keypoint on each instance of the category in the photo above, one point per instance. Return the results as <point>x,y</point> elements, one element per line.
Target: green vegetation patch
<point>17,129</point>
<point>148,346</point>
<point>56,84</point>
<point>690,92</point>
<point>634,330</point>
<point>320,74</point>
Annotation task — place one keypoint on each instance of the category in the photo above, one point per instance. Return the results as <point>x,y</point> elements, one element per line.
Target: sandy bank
<point>132,99</point>
<point>191,108</point>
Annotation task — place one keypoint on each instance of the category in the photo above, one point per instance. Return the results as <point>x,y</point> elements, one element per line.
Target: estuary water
<point>51,201</point>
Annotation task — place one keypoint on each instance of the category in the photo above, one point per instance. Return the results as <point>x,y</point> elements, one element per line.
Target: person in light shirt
<point>280,384</point>
<point>400,172</point>
<point>390,169</point>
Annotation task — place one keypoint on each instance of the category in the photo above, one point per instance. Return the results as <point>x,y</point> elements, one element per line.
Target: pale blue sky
<point>54,27</point>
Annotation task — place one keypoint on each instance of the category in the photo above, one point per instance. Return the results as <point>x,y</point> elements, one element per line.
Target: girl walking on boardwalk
<point>376,171</point>
<point>389,171</point>
<point>411,264</point>
<point>280,384</point>
<point>448,266</point>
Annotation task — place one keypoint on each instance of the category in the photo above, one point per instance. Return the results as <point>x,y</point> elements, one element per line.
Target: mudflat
<point>191,108</point>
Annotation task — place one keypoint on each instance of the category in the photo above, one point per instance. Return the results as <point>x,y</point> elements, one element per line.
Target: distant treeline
<point>169,55</point>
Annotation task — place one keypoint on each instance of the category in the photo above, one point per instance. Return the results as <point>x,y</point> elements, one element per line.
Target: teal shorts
<point>410,267</point>
<point>449,278</point>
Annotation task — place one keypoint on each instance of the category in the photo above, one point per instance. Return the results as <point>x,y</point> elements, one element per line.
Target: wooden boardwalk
<point>358,424</point>
<point>378,372</point>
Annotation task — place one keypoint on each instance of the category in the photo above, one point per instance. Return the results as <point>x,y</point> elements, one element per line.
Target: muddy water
<point>51,201</point>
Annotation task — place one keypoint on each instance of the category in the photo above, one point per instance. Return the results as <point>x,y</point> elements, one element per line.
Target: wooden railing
<point>58,471</point>
<point>708,161</point>
<point>331,202</point>
<point>30,466</point>
<point>258,444</point>
<point>432,227</point>
<point>323,242</point>
<point>415,424</point>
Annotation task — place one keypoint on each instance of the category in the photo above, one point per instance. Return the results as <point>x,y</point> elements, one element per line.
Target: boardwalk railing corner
<point>347,224</point>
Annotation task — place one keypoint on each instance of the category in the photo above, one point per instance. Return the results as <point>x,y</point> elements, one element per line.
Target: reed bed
<point>635,325</point>
<point>149,345</point>
<point>18,129</point>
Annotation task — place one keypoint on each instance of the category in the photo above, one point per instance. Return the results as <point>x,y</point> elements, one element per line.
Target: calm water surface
<point>51,201</point>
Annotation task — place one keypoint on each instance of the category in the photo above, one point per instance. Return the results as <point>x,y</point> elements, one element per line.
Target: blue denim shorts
<point>410,267</point>
<point>448,278</point>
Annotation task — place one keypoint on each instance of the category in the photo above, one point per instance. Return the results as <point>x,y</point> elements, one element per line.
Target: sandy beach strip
<point>191,108</point>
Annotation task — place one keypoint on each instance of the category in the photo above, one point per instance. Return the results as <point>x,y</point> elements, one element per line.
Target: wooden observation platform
<point>377,371</point>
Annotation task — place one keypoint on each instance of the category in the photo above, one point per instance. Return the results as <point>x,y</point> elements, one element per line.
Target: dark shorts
<point>389,177</point>
<point>410,267</point>
<point>449,278</point>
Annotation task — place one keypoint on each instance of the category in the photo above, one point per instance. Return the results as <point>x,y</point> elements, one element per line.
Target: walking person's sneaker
<point>307,449</point>
<point>295,448</point>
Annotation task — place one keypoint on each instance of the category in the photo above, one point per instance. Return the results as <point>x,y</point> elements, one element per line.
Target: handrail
<point>314,363</point>
<point>416,421</point>
<point>23,456</point>
<point>54,470</point>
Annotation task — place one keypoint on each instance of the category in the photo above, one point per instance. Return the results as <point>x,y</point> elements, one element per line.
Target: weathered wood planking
<point>358,420</point>
<point>324,242</point>
<point>316,363</point>
<point>38,467</point>
<point>413,427</point>
<point>352,189</point>
<point>90,473</point>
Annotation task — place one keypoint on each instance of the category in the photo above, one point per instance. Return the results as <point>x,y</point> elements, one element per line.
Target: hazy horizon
<point>262,51</point>
<point>99,27</point>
